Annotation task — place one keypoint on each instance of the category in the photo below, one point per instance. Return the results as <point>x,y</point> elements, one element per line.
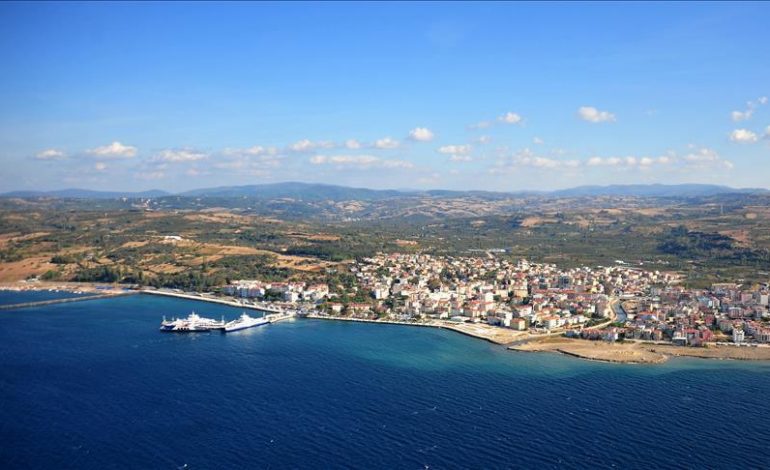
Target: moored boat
<point>243,322</point>
<point>192,323</point>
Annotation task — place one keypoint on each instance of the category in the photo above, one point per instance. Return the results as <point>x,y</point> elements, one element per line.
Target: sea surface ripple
<point>95,385</point>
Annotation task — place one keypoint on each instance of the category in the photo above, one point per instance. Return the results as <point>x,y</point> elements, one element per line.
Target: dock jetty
<point>212,299</point>
<point>83,298</point>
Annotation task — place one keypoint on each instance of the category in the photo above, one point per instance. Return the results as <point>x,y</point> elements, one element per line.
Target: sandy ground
<point>716,352</point>
<point>595,350</point>
<point>490,333</point>
<point>640,353</point>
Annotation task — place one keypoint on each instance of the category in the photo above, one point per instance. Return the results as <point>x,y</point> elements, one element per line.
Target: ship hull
<point>244,327</point>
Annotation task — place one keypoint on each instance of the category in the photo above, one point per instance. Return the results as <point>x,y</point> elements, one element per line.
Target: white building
<point>738,335</point>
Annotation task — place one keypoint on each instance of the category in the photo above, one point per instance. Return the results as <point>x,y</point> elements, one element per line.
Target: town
<point>614,303</point>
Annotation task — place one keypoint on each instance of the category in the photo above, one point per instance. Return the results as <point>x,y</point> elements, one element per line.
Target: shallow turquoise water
<point>95,385</point>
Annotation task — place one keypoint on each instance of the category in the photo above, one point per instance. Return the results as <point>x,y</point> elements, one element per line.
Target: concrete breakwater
<point>84,298</point>
<point>203,298</point>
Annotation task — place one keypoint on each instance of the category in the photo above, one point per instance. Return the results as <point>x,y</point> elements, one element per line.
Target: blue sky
<point>387,95</point>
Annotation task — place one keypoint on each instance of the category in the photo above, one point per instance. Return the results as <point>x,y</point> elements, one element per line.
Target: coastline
<point>479,330</point>
<point>639,353</point>
<point>519,341</point>
<point>77,287</point>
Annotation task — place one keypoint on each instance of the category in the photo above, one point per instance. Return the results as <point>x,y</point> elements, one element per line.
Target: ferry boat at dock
<point>192,323</point>
<point>245,321</point>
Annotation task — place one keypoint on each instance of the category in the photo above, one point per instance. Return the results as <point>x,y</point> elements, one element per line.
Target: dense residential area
<point>614,303</point>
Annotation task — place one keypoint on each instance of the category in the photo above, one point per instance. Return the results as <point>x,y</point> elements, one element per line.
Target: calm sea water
<point>94,385</point>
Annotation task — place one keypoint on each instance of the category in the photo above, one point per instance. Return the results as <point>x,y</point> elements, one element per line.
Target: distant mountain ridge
<point>295,190</point>
<point>317,192</point>
<point>655,190</point>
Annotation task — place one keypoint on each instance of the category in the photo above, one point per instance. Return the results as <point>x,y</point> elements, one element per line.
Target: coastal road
<point>617,310</point>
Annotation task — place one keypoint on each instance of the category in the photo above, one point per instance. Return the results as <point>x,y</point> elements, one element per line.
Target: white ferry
<point>245,321</point>
<point>194,322</point>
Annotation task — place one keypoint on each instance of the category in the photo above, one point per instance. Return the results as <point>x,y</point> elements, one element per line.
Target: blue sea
<point>94,385</point>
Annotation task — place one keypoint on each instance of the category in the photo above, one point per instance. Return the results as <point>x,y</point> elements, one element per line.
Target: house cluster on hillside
<point>520,295</point>
<point>650,305</point>
<point>726,312</point>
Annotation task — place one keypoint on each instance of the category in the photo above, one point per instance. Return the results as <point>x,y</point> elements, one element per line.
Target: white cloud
<point>702,155</point>
<point>741,115</point>
<point>751,106</point>
<point>458,153</point>
<point>397,164</point>
<point>114,150</point>
<point>352,144</point>
<point>100,166</point>
<point>743,136</point>
<point>628,161</point>
<point>359,161</point>
<point>386,143</point>
<point>455,149</point>
<point>251,162</point>
<point>767,133</point>
<point>510,118</point>
<point>537,141</point>
<point>254,151</point>
<point>540,162</point>
<point>483,139</point>
<point>527,158</point>
<point>50,154</point>
<point>591,114</point>
<point>705,157</point>
<point>609,161</point>
<point>179,155</point>
<point>421,134</point>
<point>306,145</point>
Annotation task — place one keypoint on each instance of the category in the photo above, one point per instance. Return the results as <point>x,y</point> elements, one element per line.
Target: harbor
<point>210,298</point>
<point>195,323</point>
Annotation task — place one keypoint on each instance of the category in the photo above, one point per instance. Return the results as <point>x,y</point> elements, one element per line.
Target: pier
<point>208,298</point>
<point>276,317</point>
<point>41,303</point>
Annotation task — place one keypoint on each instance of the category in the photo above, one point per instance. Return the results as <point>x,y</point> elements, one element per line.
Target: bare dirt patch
<point>28,267</point>
<point>595,350</point>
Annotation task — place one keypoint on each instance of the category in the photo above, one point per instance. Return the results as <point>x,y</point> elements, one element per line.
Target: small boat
<point>192,323</point>
<point>245,321</point>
